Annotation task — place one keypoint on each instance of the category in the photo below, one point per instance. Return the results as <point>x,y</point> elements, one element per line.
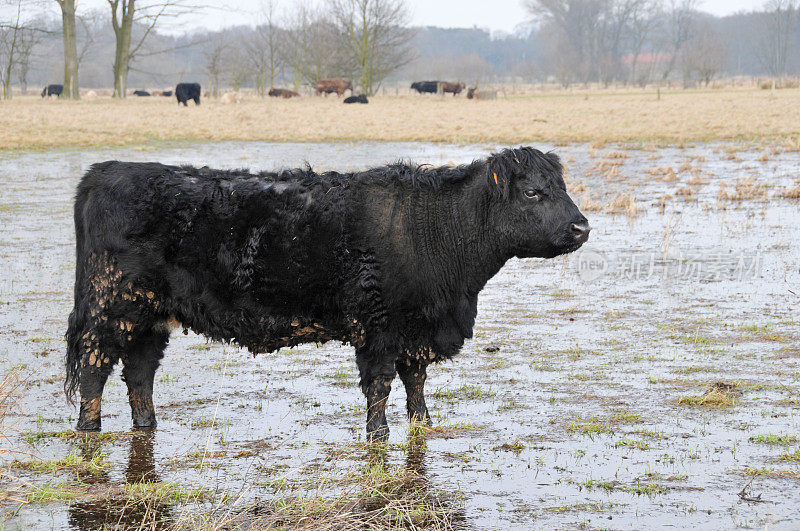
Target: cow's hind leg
<point>413,373</point>
<point>139,370</point>
<point>377,374</point>
<point>92,381</point>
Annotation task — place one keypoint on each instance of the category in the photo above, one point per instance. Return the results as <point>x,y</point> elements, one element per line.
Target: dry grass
<point>745,189</point>
<point>720,395</point>
<point>10,386</point>
<point>791,193</point>
<point>588,205</point>
<point>665,174</point>
<point>623,204</point>
<point>682,116</point>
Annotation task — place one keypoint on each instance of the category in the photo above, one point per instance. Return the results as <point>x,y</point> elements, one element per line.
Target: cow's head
<point>531,208</point>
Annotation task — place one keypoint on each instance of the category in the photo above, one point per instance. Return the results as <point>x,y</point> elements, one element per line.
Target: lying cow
<point>52,90</point>
<point>141,93</point>
<point>339,86</point>
<point>230,97</point>
<point>282,93</point>
<point>390,260</point>
<point>361,98</point>
<point>166,93</point>
<point>187,91</point>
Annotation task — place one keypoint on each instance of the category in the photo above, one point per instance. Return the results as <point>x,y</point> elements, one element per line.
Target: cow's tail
<point>79,315</point>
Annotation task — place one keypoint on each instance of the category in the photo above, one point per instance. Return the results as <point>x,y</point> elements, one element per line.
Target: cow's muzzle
<point>580,231</point>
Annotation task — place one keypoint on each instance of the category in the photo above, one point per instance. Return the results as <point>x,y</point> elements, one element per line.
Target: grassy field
<point>560,117</point>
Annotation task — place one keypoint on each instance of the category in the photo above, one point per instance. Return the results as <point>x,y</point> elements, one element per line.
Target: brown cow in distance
<point>339,86</point>
<point>455,88</point>
<point>283,93</point>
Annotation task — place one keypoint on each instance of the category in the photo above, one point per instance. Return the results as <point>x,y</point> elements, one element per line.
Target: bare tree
<point>704,54</point>
<point>71,89</point>
<point>29,39</point>
<point>313,46</point>
<point>214,54</point>
<point>263,51</point>
<point>643,21</point>
<point>376,35</point>
<point>575,25</point>
<point>614,24</point>
<point>89,24</point>
<point>680,20</point>
<point>15,34</point>
<point>778,23</point>
<point>125,14</point>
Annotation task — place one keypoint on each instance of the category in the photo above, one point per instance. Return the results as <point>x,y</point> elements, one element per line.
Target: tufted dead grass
<point>623,204</point>
<point>626,116</point>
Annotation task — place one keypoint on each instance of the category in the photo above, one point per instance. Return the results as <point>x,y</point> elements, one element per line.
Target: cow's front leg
<point>376,383</point>
<point>413,373</point>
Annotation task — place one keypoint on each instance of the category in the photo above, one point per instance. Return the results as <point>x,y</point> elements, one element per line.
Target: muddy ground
<point>650,379</point>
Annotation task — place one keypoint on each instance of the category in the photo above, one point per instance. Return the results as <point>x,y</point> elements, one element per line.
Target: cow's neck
<point>453,234</point>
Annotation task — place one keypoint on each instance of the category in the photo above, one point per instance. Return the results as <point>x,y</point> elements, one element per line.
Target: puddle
<point>580,401</point>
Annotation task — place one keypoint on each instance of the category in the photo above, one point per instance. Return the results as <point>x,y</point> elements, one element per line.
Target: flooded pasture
<point>652,378</point>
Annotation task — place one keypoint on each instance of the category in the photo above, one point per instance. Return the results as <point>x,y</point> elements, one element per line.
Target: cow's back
<point>235,241</point>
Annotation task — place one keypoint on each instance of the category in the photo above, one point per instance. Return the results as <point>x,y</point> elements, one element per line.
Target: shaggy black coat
<point>423,87</point>
<point>361,98</point>
<point>389,260</point>
<point>187,91</point>
<point>52,90</point>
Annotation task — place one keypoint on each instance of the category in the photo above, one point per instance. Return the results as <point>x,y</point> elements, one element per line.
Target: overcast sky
<point>502,15</point>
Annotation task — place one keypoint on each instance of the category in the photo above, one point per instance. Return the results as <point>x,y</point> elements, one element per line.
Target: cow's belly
<point>272,332</point>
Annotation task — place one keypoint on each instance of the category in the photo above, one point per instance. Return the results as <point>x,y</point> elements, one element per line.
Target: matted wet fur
<point>389,260</point>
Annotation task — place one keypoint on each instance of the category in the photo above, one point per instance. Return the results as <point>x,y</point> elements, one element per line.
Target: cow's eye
<point>533,194</point>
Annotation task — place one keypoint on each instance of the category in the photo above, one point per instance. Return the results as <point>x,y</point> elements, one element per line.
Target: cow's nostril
<point>581,229</point>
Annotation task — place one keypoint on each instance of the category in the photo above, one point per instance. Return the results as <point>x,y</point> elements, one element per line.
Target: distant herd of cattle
<point>192,91</point>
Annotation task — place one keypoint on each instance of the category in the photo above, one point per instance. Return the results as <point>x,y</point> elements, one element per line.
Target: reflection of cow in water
<point>188,91</point>
<point>339,86</point>
<point>390,260</point>
<point>282,93</point>
<point>52,90</point>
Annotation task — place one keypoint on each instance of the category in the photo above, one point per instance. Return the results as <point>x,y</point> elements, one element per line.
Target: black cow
<point>166,93</point>
<point>389,260</point>
<point>188,91</point>
<point>425,86</point>
<point>140,93</point>
<point>361,98</point>
<point>52,90</point>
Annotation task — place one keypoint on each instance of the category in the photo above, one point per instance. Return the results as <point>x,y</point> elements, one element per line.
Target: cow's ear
<point>500,172</point>
<point>554,160</point>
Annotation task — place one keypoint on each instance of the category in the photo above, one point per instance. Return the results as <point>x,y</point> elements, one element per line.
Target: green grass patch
<point>790,456</point>
<point>466,391</point>
<point>95,464</point>
<point>771,438</point>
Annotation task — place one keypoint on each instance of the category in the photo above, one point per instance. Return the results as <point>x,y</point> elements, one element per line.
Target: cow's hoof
<point>420,417</point>
<point>380,435</point>
<point>144,424</point>
<point>88,426</point>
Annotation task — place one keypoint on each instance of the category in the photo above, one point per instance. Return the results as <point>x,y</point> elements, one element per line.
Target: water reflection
<point>119,509</point>
<point>408,497</point>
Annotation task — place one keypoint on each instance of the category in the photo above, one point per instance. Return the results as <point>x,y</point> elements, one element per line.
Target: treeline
<point>568,42</point>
